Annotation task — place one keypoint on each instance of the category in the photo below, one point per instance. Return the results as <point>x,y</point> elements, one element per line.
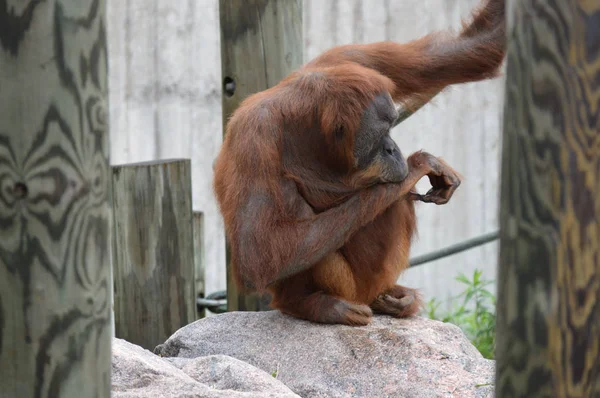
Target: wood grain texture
<point>548,336</point>
<point>261,43</point>
<point>55,335</point>
<point>199,258</point>
<point>153,255</point>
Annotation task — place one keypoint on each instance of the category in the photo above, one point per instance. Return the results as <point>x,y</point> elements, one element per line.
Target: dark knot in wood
<point>20,190</point>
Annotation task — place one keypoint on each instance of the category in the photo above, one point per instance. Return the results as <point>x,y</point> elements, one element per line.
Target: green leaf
<point>479,324</point>
<point>462,278</point>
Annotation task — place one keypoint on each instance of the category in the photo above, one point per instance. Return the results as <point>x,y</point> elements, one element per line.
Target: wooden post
<point>55,335</point>
<point>261,43</point>
<point>199,258</point>
<point>548,333</point>
<point>153,254</point>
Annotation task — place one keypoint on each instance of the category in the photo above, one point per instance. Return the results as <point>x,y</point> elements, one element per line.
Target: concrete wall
<point>165,102</point>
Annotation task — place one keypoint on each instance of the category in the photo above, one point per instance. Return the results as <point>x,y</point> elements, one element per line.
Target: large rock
<point>389,358</point>
<point>138,373</point>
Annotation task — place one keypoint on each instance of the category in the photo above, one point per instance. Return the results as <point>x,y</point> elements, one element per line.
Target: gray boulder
<point>138,373</point>
<point>390,357</point>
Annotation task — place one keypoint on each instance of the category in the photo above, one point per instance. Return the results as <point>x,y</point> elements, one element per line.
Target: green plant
<point>275,373</point>
<point>475,314</point>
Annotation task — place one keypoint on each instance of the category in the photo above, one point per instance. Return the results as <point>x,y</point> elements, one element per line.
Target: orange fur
<point>334,268</point>
<point>301,221</point>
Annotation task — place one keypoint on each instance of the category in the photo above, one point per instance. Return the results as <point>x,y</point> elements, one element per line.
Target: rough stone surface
<point>138,373</point>
<point>389,358</point>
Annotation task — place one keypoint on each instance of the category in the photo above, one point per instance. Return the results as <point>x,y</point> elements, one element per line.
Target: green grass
<point>474,311</point>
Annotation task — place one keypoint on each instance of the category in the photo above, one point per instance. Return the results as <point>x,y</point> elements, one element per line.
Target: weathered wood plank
<point>549,273</point>
<point>153,255</point>
<point>165,97</point>
<point>55,335</point>
<point>261,43</point>
<point>199,258</point>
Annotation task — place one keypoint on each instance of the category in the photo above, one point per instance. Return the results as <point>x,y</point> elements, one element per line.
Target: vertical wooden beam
<point>199,258</point>
<point>55,336</point>
<point>153,254</point>
<point>261,43</point>
<point>548,333</point>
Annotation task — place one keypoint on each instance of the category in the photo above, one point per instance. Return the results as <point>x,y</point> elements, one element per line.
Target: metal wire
<point>457,248</point>
<point>217,302</point>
